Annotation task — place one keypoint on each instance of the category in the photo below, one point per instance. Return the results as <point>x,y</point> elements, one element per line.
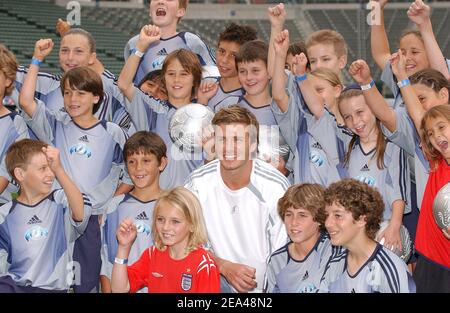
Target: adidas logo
<point>34,220</point>
<point>163,51</point>
<point>353,290</point>
<point>306,276</point>
<point>365,168</point>
<point>142,216</point>
<point>84,138</point>
<point>317,146</point>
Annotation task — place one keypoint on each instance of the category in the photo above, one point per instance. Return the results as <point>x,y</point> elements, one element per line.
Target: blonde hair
<point>187,203</point>
<point>328,75</point>
<point>328,36</point>
<point>8,65</point>
<point>431,153</point>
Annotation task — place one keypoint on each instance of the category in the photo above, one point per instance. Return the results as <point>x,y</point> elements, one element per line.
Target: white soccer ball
<point>186,126</point>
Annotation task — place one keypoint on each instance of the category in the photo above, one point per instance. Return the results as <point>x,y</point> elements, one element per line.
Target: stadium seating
<point>23,22</point>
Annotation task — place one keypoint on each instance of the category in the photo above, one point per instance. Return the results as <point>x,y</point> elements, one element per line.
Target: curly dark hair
<point>360,199</point>
<point>239,34</point>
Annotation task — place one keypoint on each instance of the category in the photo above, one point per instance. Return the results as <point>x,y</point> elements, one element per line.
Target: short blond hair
<point>328,75</point>
<point>328,36</point>
<point>187,203</point>
<point>8,65</point>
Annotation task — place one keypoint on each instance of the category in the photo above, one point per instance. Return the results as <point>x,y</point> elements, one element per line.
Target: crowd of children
<point>96,197</point>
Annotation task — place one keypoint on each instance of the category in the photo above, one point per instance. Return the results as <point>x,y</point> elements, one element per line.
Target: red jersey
<point>157,271</point>
<point>430,241</point>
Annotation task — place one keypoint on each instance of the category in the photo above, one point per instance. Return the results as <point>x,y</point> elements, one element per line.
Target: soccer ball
<point>271,143</point>
<point>441,207</point>
<point>407,244</point>
<point>186,126</point>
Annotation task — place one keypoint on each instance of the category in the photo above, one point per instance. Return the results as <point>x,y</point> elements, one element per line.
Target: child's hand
<point>42,48</point>
<point>390,238</point>
<point>149,34</point>
<point>446,232</point>
<point>242,277</point>
<point>53,159</point>
<point>398,65</point>
<point>126,233</point>
<point>360,72</point>
<point>299,63</point>
<point>208,142</point>
<point>281,43</point>
<point>419,12</point>
<point>277,15</point>
<point>62,27</point>
<point>206,91</point>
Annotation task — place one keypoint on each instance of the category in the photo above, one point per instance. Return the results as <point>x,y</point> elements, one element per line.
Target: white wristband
<point>121,261</point>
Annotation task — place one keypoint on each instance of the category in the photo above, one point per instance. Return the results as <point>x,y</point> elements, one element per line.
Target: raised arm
<point>361,74</point>
<point>148,35</point>
<point>419,13</point>
<point>277,17</point>
<point>378,39</point>
<point>412,102</point>
<point>313,100</point>
<point>73,194</point>
<point>280,46</point>
<point>126,234</point>
<point>42,48</point>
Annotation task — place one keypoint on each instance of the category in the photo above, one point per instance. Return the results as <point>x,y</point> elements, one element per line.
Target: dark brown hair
<point>86,79</point>
<point>145,142</point>
<point>239,34</point>
<point>360,199</point>
<point>252,51</point>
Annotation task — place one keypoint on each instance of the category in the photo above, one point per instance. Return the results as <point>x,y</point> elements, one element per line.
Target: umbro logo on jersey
<point>365,168</point>
<point>317,146</point>
<point>34,220</point>
<point>142,216</point>
<point>84,138</point>
<point>306,276</point>
<point>163,51</point>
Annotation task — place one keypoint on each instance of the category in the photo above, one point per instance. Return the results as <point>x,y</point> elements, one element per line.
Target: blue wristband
<point>403,83</point>
<point>301,78</point>
<point>368,86</point>
<point>36,61</point>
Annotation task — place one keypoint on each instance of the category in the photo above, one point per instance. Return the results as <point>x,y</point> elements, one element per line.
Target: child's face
<point>438,132</point>
<point>172,227</point>
<point>357,116</point>
<point>328,93</point>
<point>37,177</point>
<point>414,51</point>
<point>78,103</point>
<point>165,12</point>
<point>341,225</point>
<point>233,145</point>
<point>75,52</point>
<point>144,168</point>
<point>300,225</point>
<point>4,83</point>
<point>179,82</point>
<point>324,56</point>
<point>225,58</point>
<point>253,77</point>
<point>153,88</point>
<point>289,62</point>
<point>430,98</point>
